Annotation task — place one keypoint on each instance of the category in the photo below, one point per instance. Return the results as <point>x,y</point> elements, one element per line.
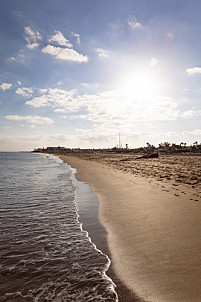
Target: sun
<point>140,86</point>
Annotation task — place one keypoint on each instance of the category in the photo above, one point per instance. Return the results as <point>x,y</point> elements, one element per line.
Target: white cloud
<point>32,37</point>
<point>34,120</point>
<point>59,110</point>
<point>11,59</point>
<point>56,98</point>
<point>77,36</point>
<point>134,24</point>
<point>5,86</point>
<point>42,91</point>
<point>65,54</point>
<point>115,106</point>
<point>191,113</point>
<point>24,91</point>
<point>60,39</point>
<point>102,53</point>
<point>77,117</point>
<point>32,45</point>
<point>193,70</point>
<point>90,85</point>
<point>38,102</point>
<point>194,132</point>
<point>20,57</point>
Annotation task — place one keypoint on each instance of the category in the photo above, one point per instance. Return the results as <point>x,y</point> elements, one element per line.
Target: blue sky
<point>76,73</point>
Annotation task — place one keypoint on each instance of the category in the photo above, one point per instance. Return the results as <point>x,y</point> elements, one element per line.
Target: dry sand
<point>151,209</point>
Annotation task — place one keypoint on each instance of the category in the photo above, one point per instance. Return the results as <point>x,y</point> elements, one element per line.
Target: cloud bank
<point>112,106</point>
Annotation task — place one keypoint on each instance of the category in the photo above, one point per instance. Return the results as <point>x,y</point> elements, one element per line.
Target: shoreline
<point>98,234</point>
<point>153,230</point>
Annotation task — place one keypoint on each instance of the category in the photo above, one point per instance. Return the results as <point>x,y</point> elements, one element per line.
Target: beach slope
<point>153,229</point>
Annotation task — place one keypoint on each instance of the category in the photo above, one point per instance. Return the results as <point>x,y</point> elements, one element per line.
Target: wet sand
<point>151,209</point>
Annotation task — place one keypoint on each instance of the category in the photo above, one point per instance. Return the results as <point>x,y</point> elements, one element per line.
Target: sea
<point>46,254</point>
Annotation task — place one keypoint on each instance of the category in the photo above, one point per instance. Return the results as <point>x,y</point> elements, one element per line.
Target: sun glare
<point>141,86</point>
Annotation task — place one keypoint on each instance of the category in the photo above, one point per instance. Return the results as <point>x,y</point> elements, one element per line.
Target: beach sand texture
<point>151,209</point>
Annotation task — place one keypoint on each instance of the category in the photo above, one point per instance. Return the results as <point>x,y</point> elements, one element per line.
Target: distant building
<point>55,149</point>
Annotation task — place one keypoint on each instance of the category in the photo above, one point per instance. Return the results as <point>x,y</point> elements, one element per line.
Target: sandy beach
<point>151,209</point>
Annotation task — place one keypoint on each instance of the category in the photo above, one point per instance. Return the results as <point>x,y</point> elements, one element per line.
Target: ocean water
<point>45,253</point>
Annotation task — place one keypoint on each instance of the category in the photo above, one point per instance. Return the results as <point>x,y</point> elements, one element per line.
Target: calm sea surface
<point>45,255</point>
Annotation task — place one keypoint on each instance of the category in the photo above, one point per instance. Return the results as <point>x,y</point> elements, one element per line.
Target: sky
<point>76,73</point>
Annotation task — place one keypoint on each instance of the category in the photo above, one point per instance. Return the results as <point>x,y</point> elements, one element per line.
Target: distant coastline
<point>165,147</point>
